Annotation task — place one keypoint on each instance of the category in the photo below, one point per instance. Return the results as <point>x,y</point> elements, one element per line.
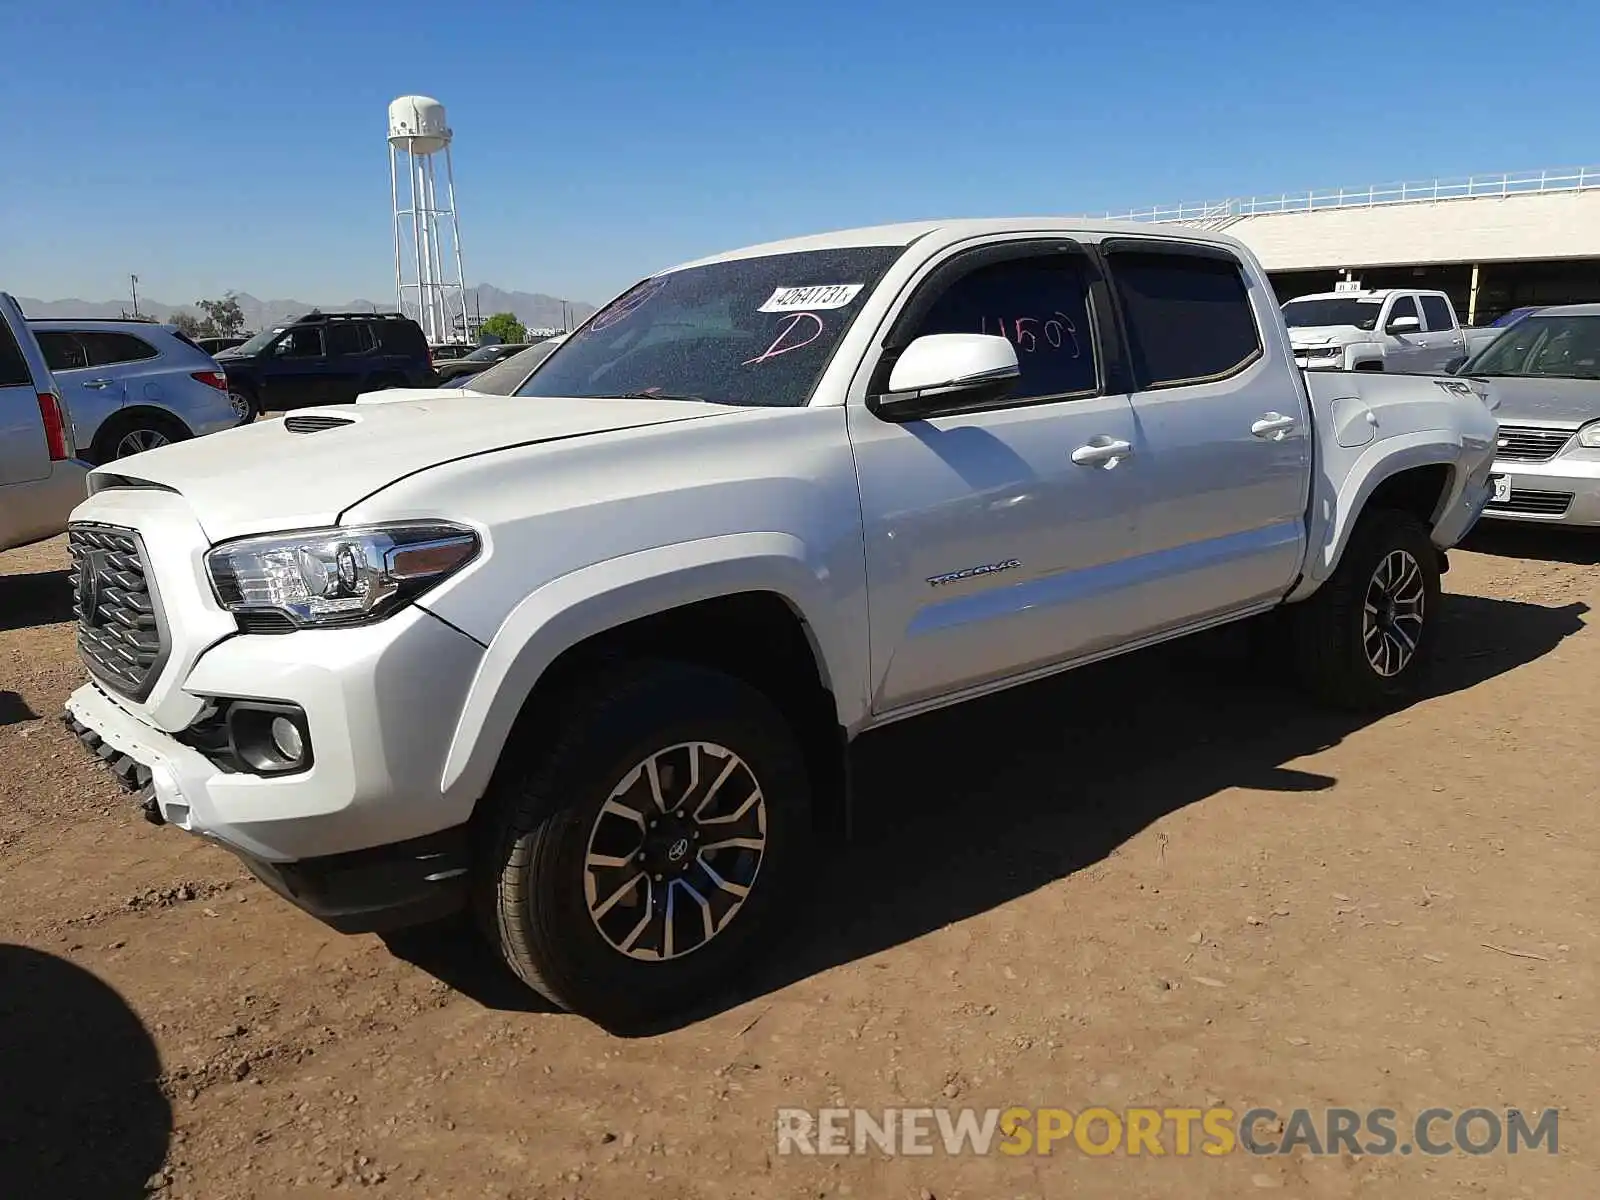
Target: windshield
<point>261,341</point>
<point>1306,314</point>
<point>503,378</point>
<point>1557,347</point>
<point>749,331</point>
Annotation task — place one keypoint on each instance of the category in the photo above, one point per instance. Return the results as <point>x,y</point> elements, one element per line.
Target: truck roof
<point>955,230</point>
<point>1369,293</point>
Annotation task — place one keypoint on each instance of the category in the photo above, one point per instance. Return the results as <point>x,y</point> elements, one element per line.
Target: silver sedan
<point>1546,371</point>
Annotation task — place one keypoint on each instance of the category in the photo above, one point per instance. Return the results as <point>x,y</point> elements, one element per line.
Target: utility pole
<point>134,284</point>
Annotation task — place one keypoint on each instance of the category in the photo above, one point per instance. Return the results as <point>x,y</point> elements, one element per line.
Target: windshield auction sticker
<point>811,299</point>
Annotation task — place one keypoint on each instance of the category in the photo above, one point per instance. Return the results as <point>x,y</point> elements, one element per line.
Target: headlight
<point>1321,351</point>
<point>1589,436</point>
<point>325,577</point>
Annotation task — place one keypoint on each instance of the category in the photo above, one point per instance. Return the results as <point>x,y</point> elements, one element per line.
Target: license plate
<point>1502,488</point>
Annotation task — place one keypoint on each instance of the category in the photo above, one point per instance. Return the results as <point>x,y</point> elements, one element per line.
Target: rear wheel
<point>128,433</point>
<point>244,403</point>
<point>1365,638</point>
<point>644,857</point>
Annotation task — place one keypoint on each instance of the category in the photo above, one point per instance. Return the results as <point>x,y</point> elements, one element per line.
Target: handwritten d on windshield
<point>796,334</point>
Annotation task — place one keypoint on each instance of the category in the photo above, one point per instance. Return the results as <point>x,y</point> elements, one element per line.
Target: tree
<point>188,324</point>
<point>223,318</point>
<point>506,327</point>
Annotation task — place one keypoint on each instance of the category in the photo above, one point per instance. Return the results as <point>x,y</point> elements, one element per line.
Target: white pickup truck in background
<point>587,659</point>
<point>1391,329</point>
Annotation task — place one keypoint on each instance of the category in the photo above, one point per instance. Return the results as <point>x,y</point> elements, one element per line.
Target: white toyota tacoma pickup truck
<point>587,660</point>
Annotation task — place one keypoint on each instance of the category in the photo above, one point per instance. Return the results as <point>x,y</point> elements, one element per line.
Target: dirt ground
<point>1162,881</point>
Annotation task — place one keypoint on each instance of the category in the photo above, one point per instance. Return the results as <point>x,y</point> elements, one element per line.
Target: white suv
<point>134,385</point>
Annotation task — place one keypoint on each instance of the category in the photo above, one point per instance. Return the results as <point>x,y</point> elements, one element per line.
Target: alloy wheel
<point>139,440</point>
<point>1393,612</point>
<point>674,851</point>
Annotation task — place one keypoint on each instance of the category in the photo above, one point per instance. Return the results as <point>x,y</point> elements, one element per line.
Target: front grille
<point>1528,443</point>
<point>121,637</point>
<point>1534,504</point>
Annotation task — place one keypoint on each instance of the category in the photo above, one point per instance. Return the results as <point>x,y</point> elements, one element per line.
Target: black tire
<point>1329,632</point>
<point>534,888</point>
<point>121,434</point>
<point>245,402</point>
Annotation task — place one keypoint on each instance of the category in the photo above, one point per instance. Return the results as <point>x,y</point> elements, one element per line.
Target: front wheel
<point>644,858</point>
<point>1364,639</point>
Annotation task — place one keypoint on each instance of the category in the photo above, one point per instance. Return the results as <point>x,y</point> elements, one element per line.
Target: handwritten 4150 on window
<point>1033,334</point>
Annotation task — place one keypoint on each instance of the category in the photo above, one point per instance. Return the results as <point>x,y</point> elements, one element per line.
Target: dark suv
<point>326,358</point>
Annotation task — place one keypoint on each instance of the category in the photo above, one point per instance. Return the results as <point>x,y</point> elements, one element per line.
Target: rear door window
<point>62,350</point>
<point>1437,310</point>
<point>1188,318</point>
<point>349,337</point>
<point>106,349</point>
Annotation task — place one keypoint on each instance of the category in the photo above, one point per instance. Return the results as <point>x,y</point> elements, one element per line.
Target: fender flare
<point>1333,518</point>
<point>576,606</point>
<point>1363,352</point>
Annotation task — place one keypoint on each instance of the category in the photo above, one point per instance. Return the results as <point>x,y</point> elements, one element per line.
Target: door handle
<point>1102,451</point>
<point>1273,426</point>
<point>97,384</point>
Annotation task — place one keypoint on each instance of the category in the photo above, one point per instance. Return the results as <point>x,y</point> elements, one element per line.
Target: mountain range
<point>533,309</point>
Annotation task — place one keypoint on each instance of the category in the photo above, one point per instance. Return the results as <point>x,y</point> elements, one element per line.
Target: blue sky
<point>240,144</point>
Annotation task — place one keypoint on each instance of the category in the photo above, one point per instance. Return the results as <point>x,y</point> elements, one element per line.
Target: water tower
<point>427,236</point>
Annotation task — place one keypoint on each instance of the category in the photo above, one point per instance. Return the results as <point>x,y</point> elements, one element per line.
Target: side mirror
<point>1454,366</point>
<point>1404,325</point>
<point>945,372</point>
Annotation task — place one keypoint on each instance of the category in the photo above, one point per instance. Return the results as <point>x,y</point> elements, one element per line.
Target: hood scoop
<point>314,422</point>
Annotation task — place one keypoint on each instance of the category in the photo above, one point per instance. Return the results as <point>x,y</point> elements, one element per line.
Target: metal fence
<point>1223,212</point>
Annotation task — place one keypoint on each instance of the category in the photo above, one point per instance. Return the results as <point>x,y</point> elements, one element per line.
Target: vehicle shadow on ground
<point>42,598</point>
<point>81,1110</point>
<point>1538,542</point>
<point>14,709</point>
<point>965,810</point>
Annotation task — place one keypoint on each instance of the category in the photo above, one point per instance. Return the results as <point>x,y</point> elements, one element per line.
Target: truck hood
<point>402,395</point>
<point>1328,335</point>
<point>265,477</point>
<point>1562,401</point>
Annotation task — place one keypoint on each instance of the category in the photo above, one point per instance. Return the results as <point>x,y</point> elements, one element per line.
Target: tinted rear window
<point>13,367</point>
<point>1188,318</point>
<point>108,349</point>
<point>1437,312</point>
<point>402,337</point>
<point>62,351</point>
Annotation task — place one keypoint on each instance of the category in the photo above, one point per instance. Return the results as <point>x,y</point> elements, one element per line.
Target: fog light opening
<point>269,739</point>
<point>286,739</point>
